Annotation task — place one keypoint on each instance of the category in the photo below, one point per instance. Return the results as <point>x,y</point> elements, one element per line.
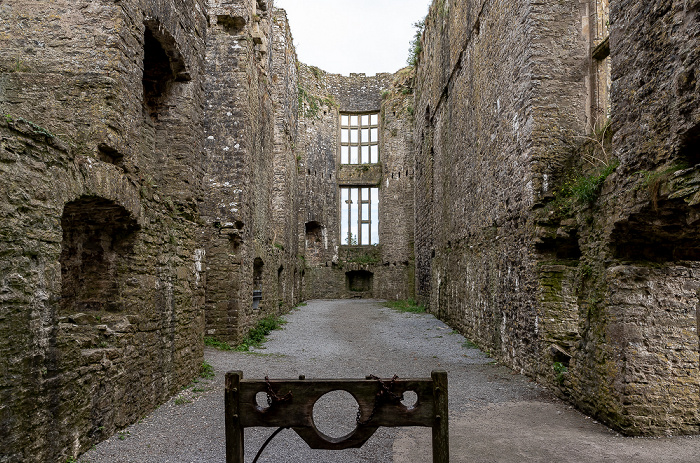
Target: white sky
<point>343,36</point>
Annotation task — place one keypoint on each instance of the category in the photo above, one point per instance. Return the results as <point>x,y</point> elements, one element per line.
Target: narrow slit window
<point>359,137</point>
<point>359,215</point>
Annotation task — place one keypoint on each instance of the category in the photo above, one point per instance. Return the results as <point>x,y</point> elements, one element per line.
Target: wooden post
<point>234,430</point>
<point>441,440</point>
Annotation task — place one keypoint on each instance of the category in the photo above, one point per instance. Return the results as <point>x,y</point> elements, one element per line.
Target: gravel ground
<point>495,414</point>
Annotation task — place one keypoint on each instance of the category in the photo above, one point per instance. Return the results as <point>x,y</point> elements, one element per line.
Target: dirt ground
<point>496,415</point>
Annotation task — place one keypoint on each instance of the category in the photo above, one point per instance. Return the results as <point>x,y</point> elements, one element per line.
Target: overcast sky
<point>343,36</point>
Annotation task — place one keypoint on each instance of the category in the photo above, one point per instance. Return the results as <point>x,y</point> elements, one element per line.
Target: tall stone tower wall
<point>250,182</point>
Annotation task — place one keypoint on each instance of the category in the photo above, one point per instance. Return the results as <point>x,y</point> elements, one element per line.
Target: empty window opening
<point>162,65</point>
<point>258,267</point>
<point>359,210</point>
<point>233,25</point>
<point>98,238</point>
<point>359,138</point>
<point>280,285</point>
<point>359,280</point>
<point>690,146</point>
<point>110,155</point>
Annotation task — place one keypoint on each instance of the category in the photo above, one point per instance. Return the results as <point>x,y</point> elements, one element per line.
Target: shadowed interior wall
<point>101,280</point>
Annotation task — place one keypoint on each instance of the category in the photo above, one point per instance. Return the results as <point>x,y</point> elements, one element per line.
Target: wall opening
<point>162,66</point>
<point>280,285</point>
<point>359,280</point>
<point>690,147</point>
<point>233,25</point>
<point>109,155</point>
<point>666,231</point>
<point>359,138</point>
<point>314,242</point>
<point>98,238</point>
<point>258,267</point>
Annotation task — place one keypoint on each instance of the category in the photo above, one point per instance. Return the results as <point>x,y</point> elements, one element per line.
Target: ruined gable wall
<point>102,273</point>
<point>322,98</point>
<point>250,182</point>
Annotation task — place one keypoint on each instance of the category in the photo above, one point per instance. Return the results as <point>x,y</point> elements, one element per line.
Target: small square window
<point>353,121</point>
<point>353,155</point>
<point>374,154</point>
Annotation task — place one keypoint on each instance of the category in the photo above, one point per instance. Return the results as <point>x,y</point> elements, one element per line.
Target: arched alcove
<point>314,234</point>
<point>162,65</point>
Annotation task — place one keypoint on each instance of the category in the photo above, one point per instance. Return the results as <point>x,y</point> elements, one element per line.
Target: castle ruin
<point>169,170</point>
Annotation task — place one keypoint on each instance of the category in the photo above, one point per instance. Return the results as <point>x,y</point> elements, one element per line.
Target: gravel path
<point>495,414</point>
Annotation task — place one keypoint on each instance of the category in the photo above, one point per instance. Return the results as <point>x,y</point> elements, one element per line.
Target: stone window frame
<point>364,146</point>
<point>365,218</point>
<point>600,64</point>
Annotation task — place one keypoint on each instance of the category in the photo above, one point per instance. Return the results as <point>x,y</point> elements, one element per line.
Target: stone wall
<point>132,222</point>
<point>101,283</point>
<point>331,264</point>
<point>492,100</point>
<point>250,192</point>
<point>564,246</point>
<point>641,244</point>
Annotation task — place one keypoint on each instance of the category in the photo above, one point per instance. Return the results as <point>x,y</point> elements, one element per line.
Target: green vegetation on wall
<point>310,105</point>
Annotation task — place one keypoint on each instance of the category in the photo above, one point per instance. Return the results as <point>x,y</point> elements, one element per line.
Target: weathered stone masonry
<point>102,283</point>
<point>250,184</point>
<point>597,296</point>
<point>331,263</point>
<point>143,204</point>
<point>161,161</point>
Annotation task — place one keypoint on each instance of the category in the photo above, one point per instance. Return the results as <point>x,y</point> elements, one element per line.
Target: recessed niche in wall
<point>690,147</point>
<point>564,246</point>
<point>110,155</point>
<point>668,232</point>
<point>233,25</point>
<point>98,237</point>
<point>314,242</point>
<point>359,280</point>
<point>162,66</point>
